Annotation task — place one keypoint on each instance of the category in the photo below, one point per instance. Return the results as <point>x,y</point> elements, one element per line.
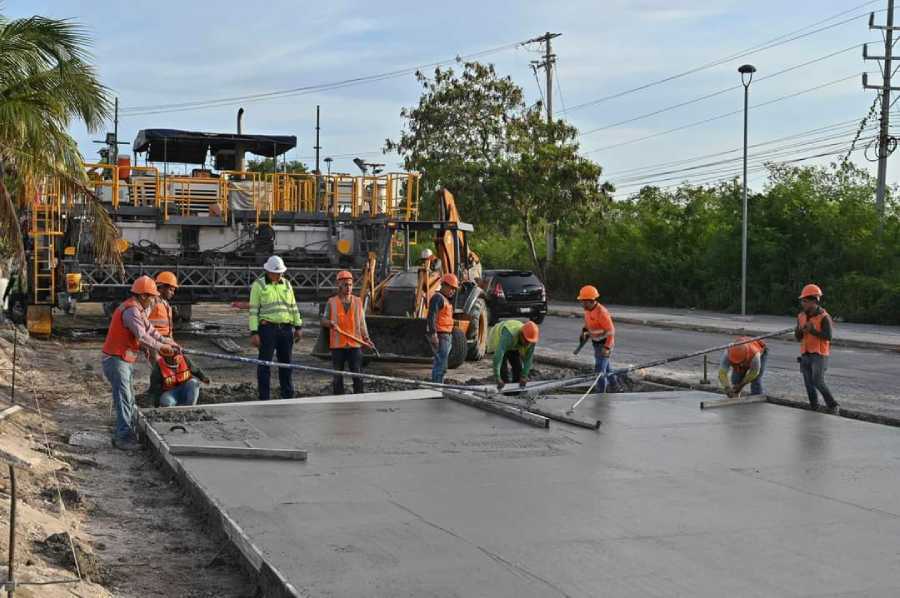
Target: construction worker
<point>274,325</point>
<point>512,344</point>
<point>130,333</point>
<point>813,330</point>
<point>742,365</point>
<point>174,381</point>
<point>161,312</point>
<point>599,328</point>
<point>439,325</point>
<point>345,319</point>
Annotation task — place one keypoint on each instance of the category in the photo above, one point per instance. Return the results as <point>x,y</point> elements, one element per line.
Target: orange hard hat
<point>450,280</point>
<point>167,278</point>
<point>811,290</point>
<point>588,293</point>
<point>344,275</point>
<point>739,353</point>
<point>144,285</point>
<point>530,332</point>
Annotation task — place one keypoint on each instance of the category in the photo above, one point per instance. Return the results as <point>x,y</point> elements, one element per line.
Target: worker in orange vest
<point>130,333</point>
<point>814,329</point>
<point>439,325</point>
<point>599,328</point>
<point>161,312</point>
<point>746,364</point>
<point>345,320</point>
<point>174,381</point>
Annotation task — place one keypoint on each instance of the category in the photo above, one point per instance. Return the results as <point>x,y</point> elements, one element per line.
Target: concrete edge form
<point>732,402</point>
<point>270,582</point>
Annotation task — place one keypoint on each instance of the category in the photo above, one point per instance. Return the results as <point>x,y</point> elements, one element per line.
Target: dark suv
<point>515,294</point>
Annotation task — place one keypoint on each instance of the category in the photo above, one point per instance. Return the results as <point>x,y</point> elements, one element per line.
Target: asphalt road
<point>859,378</point>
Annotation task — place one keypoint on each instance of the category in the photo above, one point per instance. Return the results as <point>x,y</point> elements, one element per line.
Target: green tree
<point>46,82</point>
<point>268,165</point>
<point>473,134</point>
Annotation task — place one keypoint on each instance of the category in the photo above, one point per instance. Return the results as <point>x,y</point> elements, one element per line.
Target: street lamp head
<point>746,72</point>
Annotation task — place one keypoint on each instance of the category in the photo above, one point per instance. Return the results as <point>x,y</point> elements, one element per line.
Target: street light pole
<point>746,72</point>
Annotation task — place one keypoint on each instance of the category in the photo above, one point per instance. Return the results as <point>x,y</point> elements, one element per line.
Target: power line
<point>306,89</point>
<point>772,43</point>
<point>721,116</point>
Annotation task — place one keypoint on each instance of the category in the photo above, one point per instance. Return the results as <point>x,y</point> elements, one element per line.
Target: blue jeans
<point>813,366</point>
<point>756,387</point>
<point>601,364</point>
<point>439,366</point>
<point>182,395</point>
<point>120,375</point>
<point>275,339</point>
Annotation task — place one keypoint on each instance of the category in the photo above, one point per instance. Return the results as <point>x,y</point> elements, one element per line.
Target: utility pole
<point>317,148</point>
<point>885,142</point>
<point>547,65</point>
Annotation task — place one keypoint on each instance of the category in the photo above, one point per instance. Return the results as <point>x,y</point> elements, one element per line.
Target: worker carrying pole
<point>345,320</point>
<point>599,328</point>
<point>743,364</point>
<point>439,325</point>
<point>814,331</point>
<point>275,324</point>
<point>512,344</point>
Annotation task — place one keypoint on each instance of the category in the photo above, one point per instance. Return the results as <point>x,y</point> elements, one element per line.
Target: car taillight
<point>543,294</point>
<point>498,292</point>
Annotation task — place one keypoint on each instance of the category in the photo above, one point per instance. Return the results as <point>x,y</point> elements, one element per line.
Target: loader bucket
<point>399,339</point>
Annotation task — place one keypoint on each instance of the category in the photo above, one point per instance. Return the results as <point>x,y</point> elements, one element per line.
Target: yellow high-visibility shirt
<point>273,302</point>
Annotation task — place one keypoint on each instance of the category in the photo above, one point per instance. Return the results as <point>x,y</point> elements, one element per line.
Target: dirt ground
<point>133,531</point>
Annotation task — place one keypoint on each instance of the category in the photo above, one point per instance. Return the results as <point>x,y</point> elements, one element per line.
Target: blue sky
<point>185,51</point>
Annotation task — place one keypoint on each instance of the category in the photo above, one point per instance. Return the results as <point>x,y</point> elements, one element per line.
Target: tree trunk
<point>534,257</point>
<point>9,221</point>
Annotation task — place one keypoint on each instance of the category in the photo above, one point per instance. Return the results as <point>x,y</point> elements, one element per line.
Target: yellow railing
<point>45,199</point>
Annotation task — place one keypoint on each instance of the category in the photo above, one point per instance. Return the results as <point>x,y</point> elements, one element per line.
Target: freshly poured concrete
<point>428,497</point>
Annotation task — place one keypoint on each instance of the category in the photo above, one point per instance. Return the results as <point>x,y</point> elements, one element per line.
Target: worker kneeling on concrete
<point>129,334</point>
<point>175,380</point>
<point>513,344</point>
<point>439,325</point>
<point>742,365</point>
<point>161,312</point>
<point>599,328</point>
<point>345,320</point>
<point>814,333</point>
<point>274,325</point>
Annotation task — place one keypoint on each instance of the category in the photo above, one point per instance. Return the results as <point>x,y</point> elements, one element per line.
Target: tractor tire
<point>458,348</point>
<point>478,331</point>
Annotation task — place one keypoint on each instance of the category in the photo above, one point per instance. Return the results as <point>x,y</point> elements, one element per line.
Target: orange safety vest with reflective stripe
<point>349,320</point>
<point>810,343</point>
<point>161,317</point>
<point>597,321</point>
<point>120,342</point>
<point>444,322</point>
<point>174,377</point>
<point>756,347</point>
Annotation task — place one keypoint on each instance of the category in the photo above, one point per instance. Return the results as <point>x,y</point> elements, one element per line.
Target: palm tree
<point>46,83</point>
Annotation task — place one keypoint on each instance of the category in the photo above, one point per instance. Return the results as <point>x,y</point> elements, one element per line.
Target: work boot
<point>126,445</point>
<point>834,409</point>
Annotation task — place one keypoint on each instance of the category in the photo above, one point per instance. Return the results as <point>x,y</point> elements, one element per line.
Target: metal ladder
<point>45,227</point>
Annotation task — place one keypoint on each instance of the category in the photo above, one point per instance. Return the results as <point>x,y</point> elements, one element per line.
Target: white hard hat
<point>275,265</point>
<point>426,254</point>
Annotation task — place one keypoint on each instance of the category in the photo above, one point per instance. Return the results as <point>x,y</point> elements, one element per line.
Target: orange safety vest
<point>598,320</point>
<point>120,342</point>
<point>444,321</point>
<point>756,347</point>
<point>349,320</point>
<point>160,317</point>
<point>810,343</point>
<point>174,377</point>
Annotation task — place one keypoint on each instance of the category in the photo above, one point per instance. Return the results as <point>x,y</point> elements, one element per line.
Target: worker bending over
<point>345,320</point>
<point>512,344</point>
<point>174,381</point>
<point>813,330</point>
<point>599,328</point>
<point>746,364</point>
<point>274,325</point>
<point>130,334</point>
<point>161,313</point>
<point>439,325</point>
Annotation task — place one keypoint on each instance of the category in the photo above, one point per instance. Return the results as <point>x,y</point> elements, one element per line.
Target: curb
<point>841,342</point>
<point>668,382</point>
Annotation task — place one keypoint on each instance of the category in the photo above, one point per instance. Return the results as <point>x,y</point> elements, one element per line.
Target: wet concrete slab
<point>428,497</point>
